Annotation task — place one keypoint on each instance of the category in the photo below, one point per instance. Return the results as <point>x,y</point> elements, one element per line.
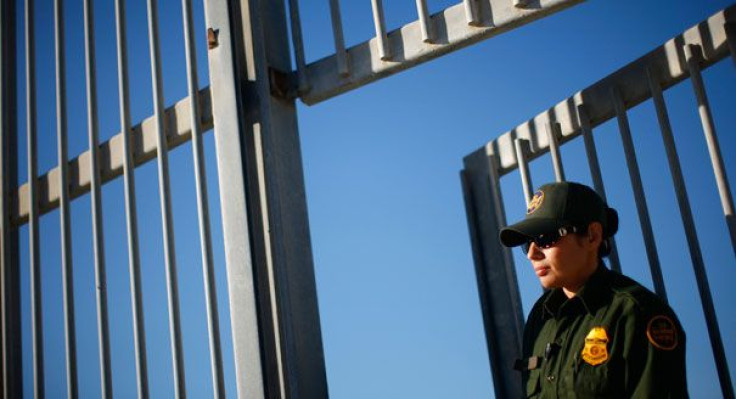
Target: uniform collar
<point>597,289</point>
<point>592,294</point>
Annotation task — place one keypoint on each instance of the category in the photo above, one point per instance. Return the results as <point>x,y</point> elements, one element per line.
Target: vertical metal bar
<point>12,380</point>
<point>693,56</point>
<point>516,308</point>
<point>522,149</point>
<point>343,68</point>
<point>6,60</point>
<point>641,201</point>
<point>228,112</point>
<point>66,245</point>
<point>587,132</point>
<point>213,322</point>
<point>33,236</point>
<point>425,21</point>
<point>384,47</point>
<point>172,286</point>
<point>131,214</point>
<point>495,273</point>
<point>553,131</point>
<point>730,29</point>
<point>95,183</point>
<point>692,237</point>
<point>595,172</point>
<point>471,12</point>
<point>298,42</point>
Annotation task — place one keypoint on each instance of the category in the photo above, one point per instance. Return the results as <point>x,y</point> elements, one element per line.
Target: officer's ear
<point>595,234</point>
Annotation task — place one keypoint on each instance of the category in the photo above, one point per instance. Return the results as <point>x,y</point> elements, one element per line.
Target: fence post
<point>273,301</point>
<point>497,284</point>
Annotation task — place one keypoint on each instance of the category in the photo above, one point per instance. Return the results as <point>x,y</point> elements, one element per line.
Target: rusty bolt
<point>212,38</point>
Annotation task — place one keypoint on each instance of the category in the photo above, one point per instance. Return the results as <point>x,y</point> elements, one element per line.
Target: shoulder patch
<point>536,202</point>
<point>662,333</point>
<point>595,350</point>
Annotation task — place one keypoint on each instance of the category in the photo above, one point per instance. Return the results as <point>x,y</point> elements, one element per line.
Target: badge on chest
<point>595,350</point>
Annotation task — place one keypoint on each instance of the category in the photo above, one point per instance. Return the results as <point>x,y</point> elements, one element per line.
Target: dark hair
<point>607,234</point>
<point>605,248</point>
<point>607,241</point>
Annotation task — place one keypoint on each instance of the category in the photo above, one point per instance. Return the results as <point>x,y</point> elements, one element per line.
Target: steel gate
<point>681,58</point>
<point>249,105</point>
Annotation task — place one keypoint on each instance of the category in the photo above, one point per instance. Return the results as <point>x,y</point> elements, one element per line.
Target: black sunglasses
<point>547,240</point>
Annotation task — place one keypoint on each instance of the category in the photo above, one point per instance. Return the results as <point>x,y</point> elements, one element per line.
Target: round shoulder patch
<point>662,333</point>
<point>536,202</point>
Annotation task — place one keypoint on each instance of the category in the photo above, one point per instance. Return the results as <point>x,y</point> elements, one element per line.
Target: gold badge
<point>536,202</point>
<point>595,351</point>
<point>662,333</point>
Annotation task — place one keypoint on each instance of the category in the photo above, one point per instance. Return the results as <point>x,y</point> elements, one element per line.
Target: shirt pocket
<point>601,381</point>
<point>532,384</point>
<point>592,381</point>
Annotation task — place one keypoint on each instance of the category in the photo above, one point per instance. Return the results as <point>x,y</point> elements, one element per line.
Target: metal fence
<point>681,58</point>
<point>274,321</point>
<point>249,105</point>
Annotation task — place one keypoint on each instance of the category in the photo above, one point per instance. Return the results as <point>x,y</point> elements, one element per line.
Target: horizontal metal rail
<point>179,130</point>
<point>667,61</point>
<point>408,46</point>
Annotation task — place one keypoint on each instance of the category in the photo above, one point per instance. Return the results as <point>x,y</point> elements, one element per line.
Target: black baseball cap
<point>556,205</point>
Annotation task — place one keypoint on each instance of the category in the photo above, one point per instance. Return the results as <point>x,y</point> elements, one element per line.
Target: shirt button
<point>550,378</point>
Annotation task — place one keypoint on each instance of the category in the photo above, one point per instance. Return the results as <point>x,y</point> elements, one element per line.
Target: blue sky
<point>397,293</point>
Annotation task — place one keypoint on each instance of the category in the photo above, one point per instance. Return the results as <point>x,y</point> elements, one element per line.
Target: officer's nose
<point>534,252</point>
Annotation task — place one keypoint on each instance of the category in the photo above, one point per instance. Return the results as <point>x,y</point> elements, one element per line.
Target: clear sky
<point>397,293</point>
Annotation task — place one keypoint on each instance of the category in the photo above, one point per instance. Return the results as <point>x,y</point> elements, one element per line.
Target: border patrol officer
<point>593,333</point>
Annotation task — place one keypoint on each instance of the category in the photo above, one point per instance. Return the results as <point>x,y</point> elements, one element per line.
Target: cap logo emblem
<point>662,333</point>
<point>536,202</point>
<point>595,350</point>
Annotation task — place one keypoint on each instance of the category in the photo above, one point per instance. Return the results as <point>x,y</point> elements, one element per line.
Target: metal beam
<point>226,69</point>
<point>408,46</point>
<point>283,253</point>
<point>497,284</point>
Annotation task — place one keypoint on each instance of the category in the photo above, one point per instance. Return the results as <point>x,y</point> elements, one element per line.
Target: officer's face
<point>567,264</point>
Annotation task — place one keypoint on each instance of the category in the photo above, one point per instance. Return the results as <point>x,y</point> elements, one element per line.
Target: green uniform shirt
<point>614,339</point>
